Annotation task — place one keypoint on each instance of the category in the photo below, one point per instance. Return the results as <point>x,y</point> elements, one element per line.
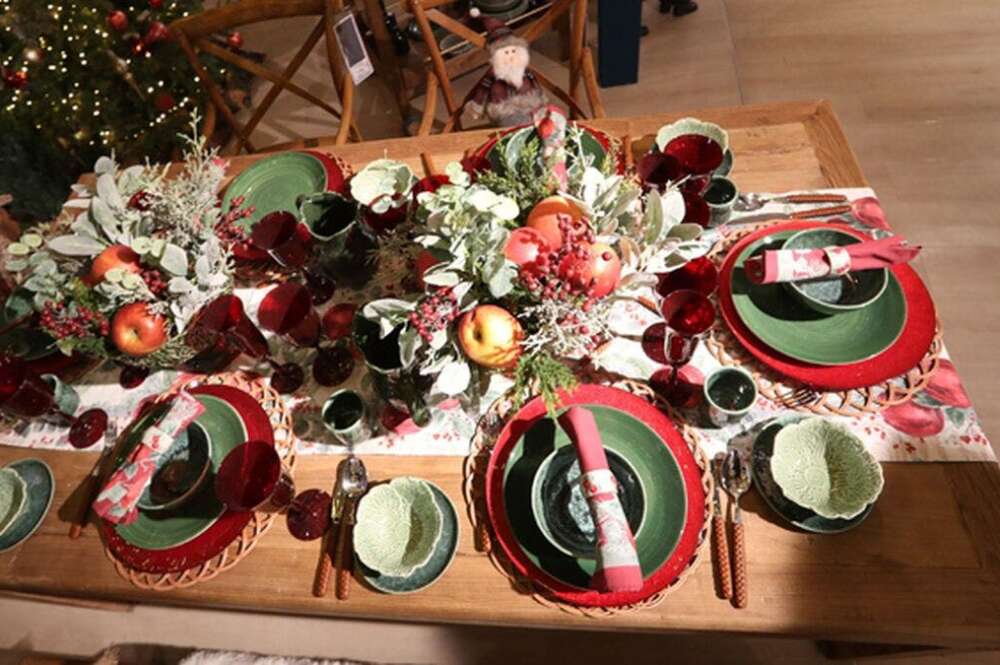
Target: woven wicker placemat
<point>788,393</point>
<point>474,485</point>
<point>284,441</point>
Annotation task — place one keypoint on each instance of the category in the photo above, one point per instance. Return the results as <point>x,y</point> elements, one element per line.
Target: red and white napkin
<point>617,561</point>
<point>792,265</point>
<point>117,501</point>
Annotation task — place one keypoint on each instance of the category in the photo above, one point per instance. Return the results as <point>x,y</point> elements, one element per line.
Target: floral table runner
<point>939,424</point>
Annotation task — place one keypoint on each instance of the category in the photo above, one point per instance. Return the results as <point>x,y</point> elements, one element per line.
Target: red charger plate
<point>656,420</point>
<point>224,531</point>
<point>902,356</point>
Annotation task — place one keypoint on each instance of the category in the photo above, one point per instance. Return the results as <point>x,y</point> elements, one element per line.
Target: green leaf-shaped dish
<point>823,467</point>
<point>398,526</point>
<point>13,492</point>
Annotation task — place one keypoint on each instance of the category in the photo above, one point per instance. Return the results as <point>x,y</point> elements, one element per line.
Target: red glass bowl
<point>901,357</point>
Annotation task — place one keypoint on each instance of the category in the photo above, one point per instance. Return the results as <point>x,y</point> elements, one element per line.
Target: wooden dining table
<point>923,569</point>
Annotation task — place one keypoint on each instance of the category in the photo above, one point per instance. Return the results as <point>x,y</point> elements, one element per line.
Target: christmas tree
<point>83,78</point>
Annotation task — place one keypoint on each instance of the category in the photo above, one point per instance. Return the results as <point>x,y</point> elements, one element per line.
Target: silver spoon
<point>353,479</point>
<point>736,481</point>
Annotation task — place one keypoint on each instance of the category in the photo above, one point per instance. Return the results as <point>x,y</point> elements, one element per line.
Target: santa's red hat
<point>498,33</point>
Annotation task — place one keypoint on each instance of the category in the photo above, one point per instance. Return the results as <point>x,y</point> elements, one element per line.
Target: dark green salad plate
<point>788,326</point>
<point>799,516</point>
<point>40,487</point>
<point>643,450</point>
<point>275,184</point>
<point>440,561</point>
<point>508,148</point>
<point>162,529</point>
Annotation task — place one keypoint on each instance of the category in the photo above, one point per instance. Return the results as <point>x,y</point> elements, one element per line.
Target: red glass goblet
<point>699,275</point>
<point>689,315</point>
<point>699,156</point>
<point>696,210</point>
<point>24,394</point>
<point>281,235</point>
<point>309,515</point>
<point>252,477</point>
<point>287,310</point>
<point>657,169</point>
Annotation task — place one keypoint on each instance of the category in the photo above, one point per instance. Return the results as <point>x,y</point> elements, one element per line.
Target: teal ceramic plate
<point>441,558</point>
<point>779,320</point>
<point>41,486</point>
<point>665,502</point>
<point>164,529</point>
<point>799,516</point>
<point>275,183</point>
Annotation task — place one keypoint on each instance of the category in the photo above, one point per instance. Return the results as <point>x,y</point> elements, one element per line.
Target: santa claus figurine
<point>508,93</point>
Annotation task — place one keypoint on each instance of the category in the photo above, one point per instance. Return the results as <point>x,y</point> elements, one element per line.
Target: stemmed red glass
<point>289,242</point>
<point>222,328</point>
<point>287,310</point>
<point>24,394</point>
<point>699,275</point>
<point>253,477</point>
<point>689,315</point>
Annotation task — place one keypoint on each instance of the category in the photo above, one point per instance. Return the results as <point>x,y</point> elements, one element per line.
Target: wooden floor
<point>916,84</point>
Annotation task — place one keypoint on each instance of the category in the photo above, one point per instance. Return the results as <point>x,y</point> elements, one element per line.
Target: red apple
<point>490,336</point>
<point>136,331</point>
<point>116,256</point>
<point>544,218</point>
<point>597,273</point>
<point>338,320</point>
<point>524,245</point>
<point>914,419</point>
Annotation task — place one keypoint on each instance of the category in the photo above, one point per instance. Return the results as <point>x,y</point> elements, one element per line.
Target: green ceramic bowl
<point>843,293</point>
<point>41,487</point>
<point>668,133</point>
<point>783,323</point>
<point>562,512</point>
<point>13,494</point>
<point>440,559</point>
<point>512,143</point>
<point>825,468</point>
<point>276,183</point>
<point>398,527</point>
<point>163,529</point>
<point>642,449</point>
<point>763,482</point>
<point>180,472</point>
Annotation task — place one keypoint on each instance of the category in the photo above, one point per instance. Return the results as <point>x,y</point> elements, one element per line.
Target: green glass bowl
<point>786,325</point>
<point>657,469</point>
<point>824,467</point>
<point>562,512</point>
<point>841,293</point>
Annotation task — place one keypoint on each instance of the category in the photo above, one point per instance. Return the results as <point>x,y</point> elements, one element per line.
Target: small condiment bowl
<point>180,472</point>
<point>840,293</point>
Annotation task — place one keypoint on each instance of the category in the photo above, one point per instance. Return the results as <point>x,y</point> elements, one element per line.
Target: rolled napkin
<point>117,501</point>
<point>617,561</point>
<point>792,265</point>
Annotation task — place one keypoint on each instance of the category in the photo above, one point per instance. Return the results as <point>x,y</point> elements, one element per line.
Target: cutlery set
<point>732,472</point>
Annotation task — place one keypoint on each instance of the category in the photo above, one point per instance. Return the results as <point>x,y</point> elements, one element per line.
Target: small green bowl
<point>180,472</point>
<point>825,468</point>
<point>843,293</point>
<point>561,511</point>
<point>398,526</point>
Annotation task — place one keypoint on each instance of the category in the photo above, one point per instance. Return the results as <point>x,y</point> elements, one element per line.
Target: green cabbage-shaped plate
<point>13,492</point>
<point>823,467</point>
<point>668,133</point>
<point>398,526</point>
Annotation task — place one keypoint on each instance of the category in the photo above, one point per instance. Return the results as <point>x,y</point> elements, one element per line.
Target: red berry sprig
<point>140,201</point>
<point>434,312</point>
<point>154,280</point>
<point>227,229</point>
<point>58,322</point>
<point>551,275</point>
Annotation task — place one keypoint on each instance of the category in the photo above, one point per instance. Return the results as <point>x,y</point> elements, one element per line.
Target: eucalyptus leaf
<point>142,245</point>
<point>115,275</point>
<point>440,278</point>
<point>107,190</point>
<point>174,260</point>
<point>453,379</point>
<point>132,281</point>
<point>76,245</point>
<point>83,226</point>
<point>501,281</point>
<point>15,265</point>
<point>180,285</point>
<point>105,219</point>
<point>104,165</point>
<point>409,342</point>
<point>18,249</point>
<point>32,240</point>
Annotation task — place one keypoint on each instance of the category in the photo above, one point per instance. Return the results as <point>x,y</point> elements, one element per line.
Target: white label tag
<point>352,48</point>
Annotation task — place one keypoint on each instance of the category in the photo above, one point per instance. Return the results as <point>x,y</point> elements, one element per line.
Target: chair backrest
<point>442,73</point>
<point>197,34</point>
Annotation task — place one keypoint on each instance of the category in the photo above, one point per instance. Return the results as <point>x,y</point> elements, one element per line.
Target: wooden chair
<point>441,73</point>
<point>195,35</point>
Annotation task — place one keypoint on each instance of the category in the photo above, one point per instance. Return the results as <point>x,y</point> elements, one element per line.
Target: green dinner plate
<point>779,320</point>
<point>800,516</point>
<point>41,487</point>
<point>515,140</point>
<point>659,474</point>
<point>160,530</point>
<point>441,558</point>
<point>275,183</point>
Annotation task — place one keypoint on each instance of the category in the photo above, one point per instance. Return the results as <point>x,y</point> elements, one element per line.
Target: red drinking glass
<point>689,315</point>
<point>24,394</point>
<point>698,156</point>
<point>226,317</point>
<point>287,310</point>
<point>699,275</point>
<point>282,236</point>
<point>309,515</point>
<point>657,169</point>
<point>252,477</point>
<point>696,210</point>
